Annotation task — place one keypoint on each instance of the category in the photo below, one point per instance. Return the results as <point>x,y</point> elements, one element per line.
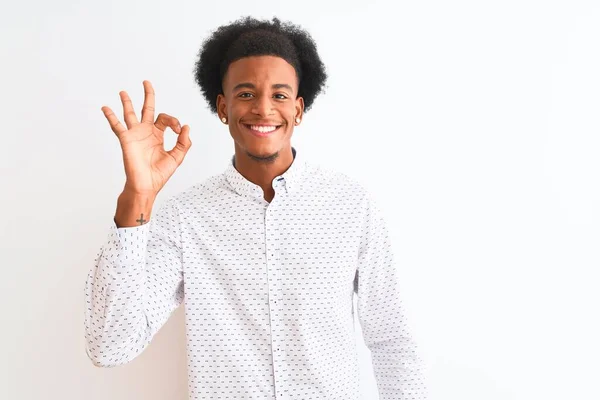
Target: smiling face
<point>261,105</point>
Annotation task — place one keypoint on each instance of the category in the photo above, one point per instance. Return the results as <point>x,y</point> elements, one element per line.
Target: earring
<point>224,120</point>
<point>297,120</point>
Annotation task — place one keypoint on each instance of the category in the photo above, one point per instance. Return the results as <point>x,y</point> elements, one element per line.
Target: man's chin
<point>262,156</point>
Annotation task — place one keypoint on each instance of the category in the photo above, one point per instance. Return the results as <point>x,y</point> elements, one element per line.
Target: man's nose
<point>262,106</point>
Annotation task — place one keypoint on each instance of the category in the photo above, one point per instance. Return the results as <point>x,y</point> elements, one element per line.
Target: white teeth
<point>263,129</point>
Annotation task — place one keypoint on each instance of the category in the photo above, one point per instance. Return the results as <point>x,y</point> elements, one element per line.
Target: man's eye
<point>245,94</point>
<point>282,96</point>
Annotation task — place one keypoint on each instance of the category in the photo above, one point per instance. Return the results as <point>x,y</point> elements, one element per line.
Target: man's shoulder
<point>202,189</point>
<point>333,175</point>
<point>335,178</point>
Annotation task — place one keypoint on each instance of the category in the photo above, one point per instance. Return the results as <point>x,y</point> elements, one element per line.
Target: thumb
<point>182,146</point>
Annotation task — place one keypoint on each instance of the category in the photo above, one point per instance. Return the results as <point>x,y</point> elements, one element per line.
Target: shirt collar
<point>290,179</point>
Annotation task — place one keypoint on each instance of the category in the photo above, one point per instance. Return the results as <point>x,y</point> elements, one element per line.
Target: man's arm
<point>396,362</point>
<point>134,285</point>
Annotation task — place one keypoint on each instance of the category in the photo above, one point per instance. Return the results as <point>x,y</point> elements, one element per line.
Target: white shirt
<point>267,289</point>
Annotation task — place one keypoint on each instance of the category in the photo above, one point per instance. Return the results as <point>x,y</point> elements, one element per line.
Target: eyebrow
<point>249,85</point>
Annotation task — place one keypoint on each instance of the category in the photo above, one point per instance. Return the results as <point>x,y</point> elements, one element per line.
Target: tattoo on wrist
<point>142,221</point>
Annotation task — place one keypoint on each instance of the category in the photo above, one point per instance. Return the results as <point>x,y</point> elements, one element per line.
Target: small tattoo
<point>142,221</point>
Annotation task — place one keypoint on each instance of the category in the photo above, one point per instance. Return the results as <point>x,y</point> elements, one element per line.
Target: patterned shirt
<point>267,289</point>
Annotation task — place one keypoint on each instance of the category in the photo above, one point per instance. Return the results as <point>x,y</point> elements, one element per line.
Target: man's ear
<point>221,106</point>
<point>299,108</point>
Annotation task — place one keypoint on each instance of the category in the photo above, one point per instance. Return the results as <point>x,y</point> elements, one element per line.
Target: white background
<point>475,123</point>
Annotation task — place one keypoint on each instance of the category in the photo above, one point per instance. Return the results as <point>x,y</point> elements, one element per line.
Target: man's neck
<point>262,173</point>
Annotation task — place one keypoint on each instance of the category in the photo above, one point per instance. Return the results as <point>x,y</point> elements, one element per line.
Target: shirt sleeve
<point>397,365</point>
<point>135,284</point>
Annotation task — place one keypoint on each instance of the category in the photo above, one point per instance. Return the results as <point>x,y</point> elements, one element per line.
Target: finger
<point>148,108</point>
<point>182,146</point>
<point>128,113</point>
<point>114,122</point>
<point>165,120</point>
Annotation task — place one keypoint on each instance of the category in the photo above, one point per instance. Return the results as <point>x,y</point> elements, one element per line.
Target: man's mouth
<point>262,130</point>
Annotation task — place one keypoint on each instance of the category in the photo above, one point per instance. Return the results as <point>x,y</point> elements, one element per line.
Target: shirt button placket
<point>274,307</point>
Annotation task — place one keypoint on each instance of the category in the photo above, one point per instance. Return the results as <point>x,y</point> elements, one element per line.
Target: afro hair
<point>247,37</point>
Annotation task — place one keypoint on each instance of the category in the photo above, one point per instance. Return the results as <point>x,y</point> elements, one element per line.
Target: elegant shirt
<point>267,289</point>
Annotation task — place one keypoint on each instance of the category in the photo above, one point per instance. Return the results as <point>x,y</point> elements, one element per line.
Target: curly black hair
<point>247,37</point>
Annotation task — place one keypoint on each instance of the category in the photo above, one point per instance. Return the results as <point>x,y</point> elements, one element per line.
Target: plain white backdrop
<point>476,125</point>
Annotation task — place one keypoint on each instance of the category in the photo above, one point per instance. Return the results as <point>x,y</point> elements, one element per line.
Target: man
<point>266,257</point>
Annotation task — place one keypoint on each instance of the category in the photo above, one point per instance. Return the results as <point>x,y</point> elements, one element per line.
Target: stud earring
<point>297,120</point>
<point>224,120</point>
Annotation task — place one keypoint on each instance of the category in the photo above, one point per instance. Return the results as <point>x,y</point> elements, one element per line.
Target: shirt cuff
<point>126,246</point>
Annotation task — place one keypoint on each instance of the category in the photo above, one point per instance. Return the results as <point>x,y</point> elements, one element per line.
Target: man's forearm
<point>133,209</point>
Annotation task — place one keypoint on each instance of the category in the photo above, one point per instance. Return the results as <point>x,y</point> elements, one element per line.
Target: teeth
<point>263,129</point>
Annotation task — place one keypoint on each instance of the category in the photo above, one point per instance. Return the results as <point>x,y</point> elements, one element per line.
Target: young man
<point>266,257</point>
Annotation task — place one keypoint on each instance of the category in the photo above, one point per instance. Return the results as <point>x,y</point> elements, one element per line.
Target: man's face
<point>260,104</point>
